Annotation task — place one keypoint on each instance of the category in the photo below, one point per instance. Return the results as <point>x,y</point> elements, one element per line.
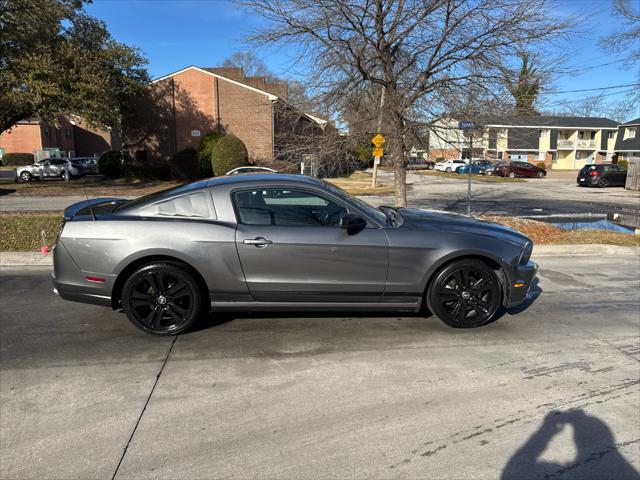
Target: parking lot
<point>550,390</point>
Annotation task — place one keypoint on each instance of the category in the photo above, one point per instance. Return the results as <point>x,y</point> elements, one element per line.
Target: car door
<point>292,248</point>
<point>619,175</point>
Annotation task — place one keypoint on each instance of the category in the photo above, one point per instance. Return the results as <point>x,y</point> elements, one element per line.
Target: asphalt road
<point>551,389</point>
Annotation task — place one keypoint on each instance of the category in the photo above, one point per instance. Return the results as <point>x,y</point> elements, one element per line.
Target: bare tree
<point>251,64</point>
<point>626,39</point>
<point>420,52</point>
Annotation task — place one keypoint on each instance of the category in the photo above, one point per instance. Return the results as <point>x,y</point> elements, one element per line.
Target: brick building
<point>72,136</point>
<point>202,100</point>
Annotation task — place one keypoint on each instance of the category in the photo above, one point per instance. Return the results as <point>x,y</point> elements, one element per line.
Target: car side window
<point>192,205</point>
<point>287,207</point>
<point>606,168</point>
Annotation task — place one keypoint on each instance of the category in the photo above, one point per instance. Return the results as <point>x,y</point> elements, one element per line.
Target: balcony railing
<point>565,143</point>
<point>586,143</point>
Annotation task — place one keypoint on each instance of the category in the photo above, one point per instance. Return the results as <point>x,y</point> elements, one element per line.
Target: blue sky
<point>176,33</point>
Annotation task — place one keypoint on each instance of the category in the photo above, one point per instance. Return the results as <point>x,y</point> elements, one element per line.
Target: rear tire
<point>65,176</point>
<point>448,170</point>
<point>26,176</point>
<point>163,298</point>
<point>465,294</point>
<point>511,175</point>
<point>603,182</point>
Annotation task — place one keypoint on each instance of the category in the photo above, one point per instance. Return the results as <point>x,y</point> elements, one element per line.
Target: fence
<point>633,174</point>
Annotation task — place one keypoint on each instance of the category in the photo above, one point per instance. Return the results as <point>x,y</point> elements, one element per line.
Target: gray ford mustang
<point>276,242</point>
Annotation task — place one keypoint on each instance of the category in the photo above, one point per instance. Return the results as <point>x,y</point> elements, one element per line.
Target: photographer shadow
<point>597,452</point>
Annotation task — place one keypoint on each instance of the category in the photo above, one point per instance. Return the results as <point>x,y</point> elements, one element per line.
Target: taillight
<point>593,173</point>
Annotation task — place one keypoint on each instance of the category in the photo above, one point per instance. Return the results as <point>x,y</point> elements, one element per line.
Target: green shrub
<point>205,149</point>
<point>439,159</point>
<point>184,164</point>
<point>110,164</point>
<point>148,170</point>
<point>541,165</point>
<point>228,153</point>
<point>17,159</point>
<point>624,164</point>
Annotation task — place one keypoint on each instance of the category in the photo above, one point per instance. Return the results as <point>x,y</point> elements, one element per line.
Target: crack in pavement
<point>144,408</point>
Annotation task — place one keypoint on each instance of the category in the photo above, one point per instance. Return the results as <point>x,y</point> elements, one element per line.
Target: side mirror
<point>352,223</point>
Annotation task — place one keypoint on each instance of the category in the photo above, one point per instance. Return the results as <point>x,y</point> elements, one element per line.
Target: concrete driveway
<point>547,391</point>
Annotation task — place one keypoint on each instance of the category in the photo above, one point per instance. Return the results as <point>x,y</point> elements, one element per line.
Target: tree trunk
<point>400,174</point>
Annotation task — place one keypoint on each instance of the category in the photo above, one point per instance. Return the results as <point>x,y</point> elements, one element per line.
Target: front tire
<point>26,176</point>
<point>163,298</point>
<point>539,174</point>
<point>465,294</point>
<point>511,175</point>
<point>448,170</point>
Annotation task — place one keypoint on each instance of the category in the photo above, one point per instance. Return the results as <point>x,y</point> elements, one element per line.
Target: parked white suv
<point>449,165</point>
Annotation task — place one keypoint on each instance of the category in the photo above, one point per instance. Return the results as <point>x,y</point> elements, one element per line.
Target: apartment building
<point>67,135</point>
<point>202,100</point>
<point>566,143</point>
<point>627,145</point>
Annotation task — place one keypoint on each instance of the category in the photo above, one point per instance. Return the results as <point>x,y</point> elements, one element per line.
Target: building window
<point>67,133</point>
<point>629,132</point>
<point>593,135</point>
<point>611,134</point>
<point>580,135</point>
<point>47,131</point>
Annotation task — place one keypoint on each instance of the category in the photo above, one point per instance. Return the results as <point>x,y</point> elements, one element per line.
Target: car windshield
<point>370,210</point>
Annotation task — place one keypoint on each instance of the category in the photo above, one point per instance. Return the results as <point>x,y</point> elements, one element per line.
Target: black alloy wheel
<point>603,182</point>
<point>163,298</point>
<point>465,294</point>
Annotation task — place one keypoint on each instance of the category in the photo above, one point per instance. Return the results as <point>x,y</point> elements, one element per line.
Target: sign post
<point>378,152</point>
<point>467,128</point>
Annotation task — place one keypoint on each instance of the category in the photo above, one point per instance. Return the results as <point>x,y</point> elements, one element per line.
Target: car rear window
<point>588,168</point>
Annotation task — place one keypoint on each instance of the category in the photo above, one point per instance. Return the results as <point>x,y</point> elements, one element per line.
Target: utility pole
<point>376,158</point>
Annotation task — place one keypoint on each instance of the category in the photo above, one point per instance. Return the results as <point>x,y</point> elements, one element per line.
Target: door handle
<point>257,242</point>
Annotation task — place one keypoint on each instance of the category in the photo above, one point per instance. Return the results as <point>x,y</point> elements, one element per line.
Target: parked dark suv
<point>602,176</point>
<point>519,169</point>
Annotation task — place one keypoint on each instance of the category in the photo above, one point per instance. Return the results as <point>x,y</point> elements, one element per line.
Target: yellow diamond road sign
<point>378,152</point>
<point>378,140</point>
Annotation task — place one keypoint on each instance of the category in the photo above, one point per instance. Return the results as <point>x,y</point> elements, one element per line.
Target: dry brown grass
<point>359,183</point>
<point>113,188</point>
<point>544,233</point>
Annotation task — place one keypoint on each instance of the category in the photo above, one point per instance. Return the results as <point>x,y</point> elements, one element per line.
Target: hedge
<point>205,149</point>
<point>110,164</point>
<point>17,159</point>
<point>228,153</point>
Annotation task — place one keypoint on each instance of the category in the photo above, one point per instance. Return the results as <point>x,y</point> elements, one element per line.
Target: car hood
<point>415,218</point>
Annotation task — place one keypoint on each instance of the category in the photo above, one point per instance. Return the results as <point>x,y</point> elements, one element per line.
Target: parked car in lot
<point>50,168</point>
<point>602,176</point>
<point>518,169</point>
<point>283,242</point>
<point>477,167</point>
<point>449,165</point>
<point>88,164</point>
<point>239,170</point>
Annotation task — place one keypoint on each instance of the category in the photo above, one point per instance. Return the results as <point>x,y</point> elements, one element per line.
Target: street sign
<point>378,152</point>
<point>378,140</point>
<point>466,125</point>
<point>376,161</point>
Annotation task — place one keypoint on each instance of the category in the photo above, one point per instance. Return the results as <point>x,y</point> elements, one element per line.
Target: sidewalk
<point>37,259</point>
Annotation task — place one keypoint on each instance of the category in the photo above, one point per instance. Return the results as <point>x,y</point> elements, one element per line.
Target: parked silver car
<point>50,168</point>
<point>276,242</point>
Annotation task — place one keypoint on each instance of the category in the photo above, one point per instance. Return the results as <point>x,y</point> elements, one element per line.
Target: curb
<point>22,259</point>
<point>37,259</point>
<point>582,249</point>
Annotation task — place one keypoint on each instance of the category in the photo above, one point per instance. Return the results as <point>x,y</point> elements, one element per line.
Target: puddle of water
<point>568,223</point>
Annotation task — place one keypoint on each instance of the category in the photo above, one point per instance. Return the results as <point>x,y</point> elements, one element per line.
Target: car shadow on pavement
<point>216,319</point>
<point>6,191</point>
<point>597,457</point>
